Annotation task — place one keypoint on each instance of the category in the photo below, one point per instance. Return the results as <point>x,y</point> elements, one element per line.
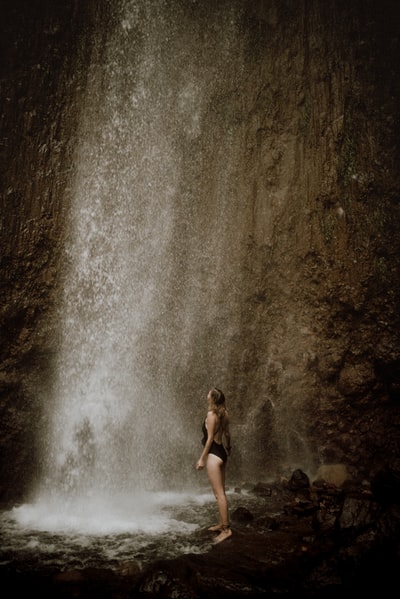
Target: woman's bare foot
<point>223,535</point>
<point>215,528</point>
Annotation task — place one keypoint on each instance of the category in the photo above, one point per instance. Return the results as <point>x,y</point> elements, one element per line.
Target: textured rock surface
<point>313,123</point>
<point>323,541</point>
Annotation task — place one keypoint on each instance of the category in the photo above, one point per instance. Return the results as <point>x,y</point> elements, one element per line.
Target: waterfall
<point>150,275</point>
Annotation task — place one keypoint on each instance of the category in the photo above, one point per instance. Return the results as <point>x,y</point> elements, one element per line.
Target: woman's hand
<point>200,465</point>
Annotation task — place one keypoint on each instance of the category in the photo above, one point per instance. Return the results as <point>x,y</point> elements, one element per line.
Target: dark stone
<point>386,485</point>
<point>299,481</point>
<point>242,514</point>
<point>262,490</point>
<point>358,554</point>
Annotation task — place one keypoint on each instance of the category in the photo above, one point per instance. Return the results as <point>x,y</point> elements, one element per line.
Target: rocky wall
<point>319,153</point>
<point>314,124</point>
<point>44,46</point>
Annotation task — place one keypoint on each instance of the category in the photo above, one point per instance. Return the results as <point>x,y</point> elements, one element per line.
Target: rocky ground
<point>324,540</point>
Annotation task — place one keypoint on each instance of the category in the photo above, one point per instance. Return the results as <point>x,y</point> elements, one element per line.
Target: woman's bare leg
<point>216,475</point>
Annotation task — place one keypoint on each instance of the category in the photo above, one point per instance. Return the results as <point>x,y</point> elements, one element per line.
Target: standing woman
<point>215,429</point>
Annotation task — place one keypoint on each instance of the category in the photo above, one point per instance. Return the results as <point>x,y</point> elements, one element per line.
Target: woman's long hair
<point>219,407</point>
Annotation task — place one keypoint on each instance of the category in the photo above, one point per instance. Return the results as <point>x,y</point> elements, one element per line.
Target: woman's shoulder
<point>212,416</point>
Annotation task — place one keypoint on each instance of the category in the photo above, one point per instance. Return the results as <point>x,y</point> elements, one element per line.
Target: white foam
<point>140,513</point>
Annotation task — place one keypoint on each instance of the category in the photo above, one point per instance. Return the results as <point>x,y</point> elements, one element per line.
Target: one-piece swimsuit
<point>216,448</point>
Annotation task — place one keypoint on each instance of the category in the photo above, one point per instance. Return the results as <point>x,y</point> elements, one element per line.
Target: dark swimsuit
<point>216,448</point>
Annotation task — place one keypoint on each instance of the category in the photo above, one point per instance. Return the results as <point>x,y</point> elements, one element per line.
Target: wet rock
<point>358,513</point>
<point>299,481</point>
<point>242,514</point>
<point>386,485</point>
<point>295,557</point>
<point>349,544</point>
<point>335,474</point>
<point>262,490</point>
<point>301,507</point>
<point>168,579</point>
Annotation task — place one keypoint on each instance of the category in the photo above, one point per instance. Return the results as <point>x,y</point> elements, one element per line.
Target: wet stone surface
<point>321,541</point>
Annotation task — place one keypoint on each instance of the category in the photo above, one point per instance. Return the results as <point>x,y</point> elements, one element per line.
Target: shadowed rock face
<point>299,147</point>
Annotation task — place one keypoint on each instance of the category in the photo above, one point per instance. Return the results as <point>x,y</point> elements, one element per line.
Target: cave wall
<point>314,123</point>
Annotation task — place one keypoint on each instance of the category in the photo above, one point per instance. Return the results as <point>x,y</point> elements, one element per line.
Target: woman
<point>215,428</point>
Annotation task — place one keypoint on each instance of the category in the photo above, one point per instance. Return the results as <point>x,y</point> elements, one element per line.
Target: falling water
<point>150,276</point>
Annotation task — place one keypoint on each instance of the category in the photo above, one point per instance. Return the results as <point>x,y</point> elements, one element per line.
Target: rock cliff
<point>301,144</point>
